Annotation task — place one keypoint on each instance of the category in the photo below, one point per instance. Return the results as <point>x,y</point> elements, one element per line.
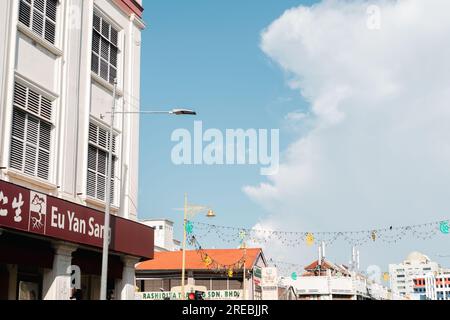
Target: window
<point>31,132</point>
<point>40,17</point>
<point>153,285</point>
<point>104,49</point>
<point>203,282</point>
<point>98,162</point>
<point>234,284</point>
<point>219,284</point>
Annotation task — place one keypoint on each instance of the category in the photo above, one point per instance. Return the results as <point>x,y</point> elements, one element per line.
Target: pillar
<point>126,288</point>
<point>12,290</point>
<point>56,284</point>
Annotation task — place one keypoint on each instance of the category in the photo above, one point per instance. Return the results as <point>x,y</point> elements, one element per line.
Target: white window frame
<point>116,162</point>
<point>40,117</point>
<point>102,38</point>
<point>46,19</point>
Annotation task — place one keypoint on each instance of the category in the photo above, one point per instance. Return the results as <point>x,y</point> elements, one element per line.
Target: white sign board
<point>269,283</point>
<point>208,295</point>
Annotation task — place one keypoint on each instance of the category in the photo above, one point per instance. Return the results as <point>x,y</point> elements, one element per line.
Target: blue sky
<point>205,55</point>
<point>370,148</point>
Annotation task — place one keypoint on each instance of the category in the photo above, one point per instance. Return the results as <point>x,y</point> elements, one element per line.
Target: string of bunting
<point>389,235</point>
<point>212,263</point>
<point>287,268</point>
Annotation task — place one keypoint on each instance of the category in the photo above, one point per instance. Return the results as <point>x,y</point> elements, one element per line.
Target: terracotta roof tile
<point>173,260</point>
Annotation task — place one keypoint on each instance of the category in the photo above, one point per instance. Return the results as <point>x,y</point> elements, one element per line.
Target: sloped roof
<point>173,260</point>
<point>326,265</point>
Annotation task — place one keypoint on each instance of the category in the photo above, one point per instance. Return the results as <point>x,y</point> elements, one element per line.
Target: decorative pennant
<point>189,227</point>
<point>374,235</point>
<point>444,227</point>
<point>309,239</point>
<point>386,276</point>
<point>230,273</point>
<point>207,260</point>
<point>294,276</point>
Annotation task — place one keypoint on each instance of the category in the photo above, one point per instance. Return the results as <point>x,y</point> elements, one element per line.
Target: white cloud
<point>379,151</point>
<point>296,116</point>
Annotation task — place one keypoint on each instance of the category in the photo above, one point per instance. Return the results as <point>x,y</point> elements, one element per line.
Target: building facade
<point>433,286</point>
<point>402,275</point>
<point>59,61</point>
<point>164,240</point>
<point>160,278</point>
<point>324,280</point>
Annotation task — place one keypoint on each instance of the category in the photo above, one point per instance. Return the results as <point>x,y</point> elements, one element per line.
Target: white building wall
<point>164,240</point>
<point>402,275</point>
<point>62,72</point>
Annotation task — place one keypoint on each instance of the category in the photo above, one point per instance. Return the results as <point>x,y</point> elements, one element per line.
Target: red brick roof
<point>130,6</point>
<point>312,268</point>
<point>173,260</point>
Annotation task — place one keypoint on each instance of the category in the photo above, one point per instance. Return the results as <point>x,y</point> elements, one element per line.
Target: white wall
<point>163,233</point>
<point>63,72</point>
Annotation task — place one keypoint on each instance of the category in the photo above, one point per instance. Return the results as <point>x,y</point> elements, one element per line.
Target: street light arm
<point>177,112</point>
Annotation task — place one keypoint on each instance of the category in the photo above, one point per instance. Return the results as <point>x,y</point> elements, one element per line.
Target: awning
<point>33,212</point>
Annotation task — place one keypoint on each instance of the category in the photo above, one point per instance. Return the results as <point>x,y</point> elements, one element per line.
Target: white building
<point>433,286</point>
<point>58,62</point>
<point>416,265</point>
<point>164,240</point>
<point>222,277</point>
<point>328,281</point>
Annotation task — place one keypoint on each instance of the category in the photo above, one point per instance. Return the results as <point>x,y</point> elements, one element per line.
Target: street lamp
<point>106,233</point>
<point>190,210</point>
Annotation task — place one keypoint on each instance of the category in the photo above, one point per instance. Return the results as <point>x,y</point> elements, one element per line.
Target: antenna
<point>354,262</point>
<point>320,254</point>
<point>357,260</point>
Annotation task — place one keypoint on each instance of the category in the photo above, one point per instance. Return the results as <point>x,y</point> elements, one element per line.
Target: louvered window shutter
<point>40,16</point>
<point>31,133</point>
<point>104,49</point>
<point>98,163</point>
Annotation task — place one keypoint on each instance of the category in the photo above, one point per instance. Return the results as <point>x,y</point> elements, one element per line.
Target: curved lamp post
<point>190,211</point>
<point>106,233</point>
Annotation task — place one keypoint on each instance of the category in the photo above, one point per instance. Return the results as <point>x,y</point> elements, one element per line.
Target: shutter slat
<point>102,138</point>
<point>46,108</point>
<point>91,184</point>
<point>20,95</point>
<point>30,160</point>
<point>43,164</point>
<point>40,5</point>
<point>31,136</point>
<point>32,130</point>
<point>50,31</point>
<point>51,9</point>
<point>101,187</point>
<point>25,13</point>
<point>38,22</point>
<point>33,102</point>
<point>45,135</point>
<point>16,154</point>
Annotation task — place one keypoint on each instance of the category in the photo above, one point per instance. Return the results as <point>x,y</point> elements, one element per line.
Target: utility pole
<point>244,294</point>
<point>183,267</point>
<point>106,234</point>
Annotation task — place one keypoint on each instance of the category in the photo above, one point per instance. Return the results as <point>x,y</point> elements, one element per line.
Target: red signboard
<point>29,211</point>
